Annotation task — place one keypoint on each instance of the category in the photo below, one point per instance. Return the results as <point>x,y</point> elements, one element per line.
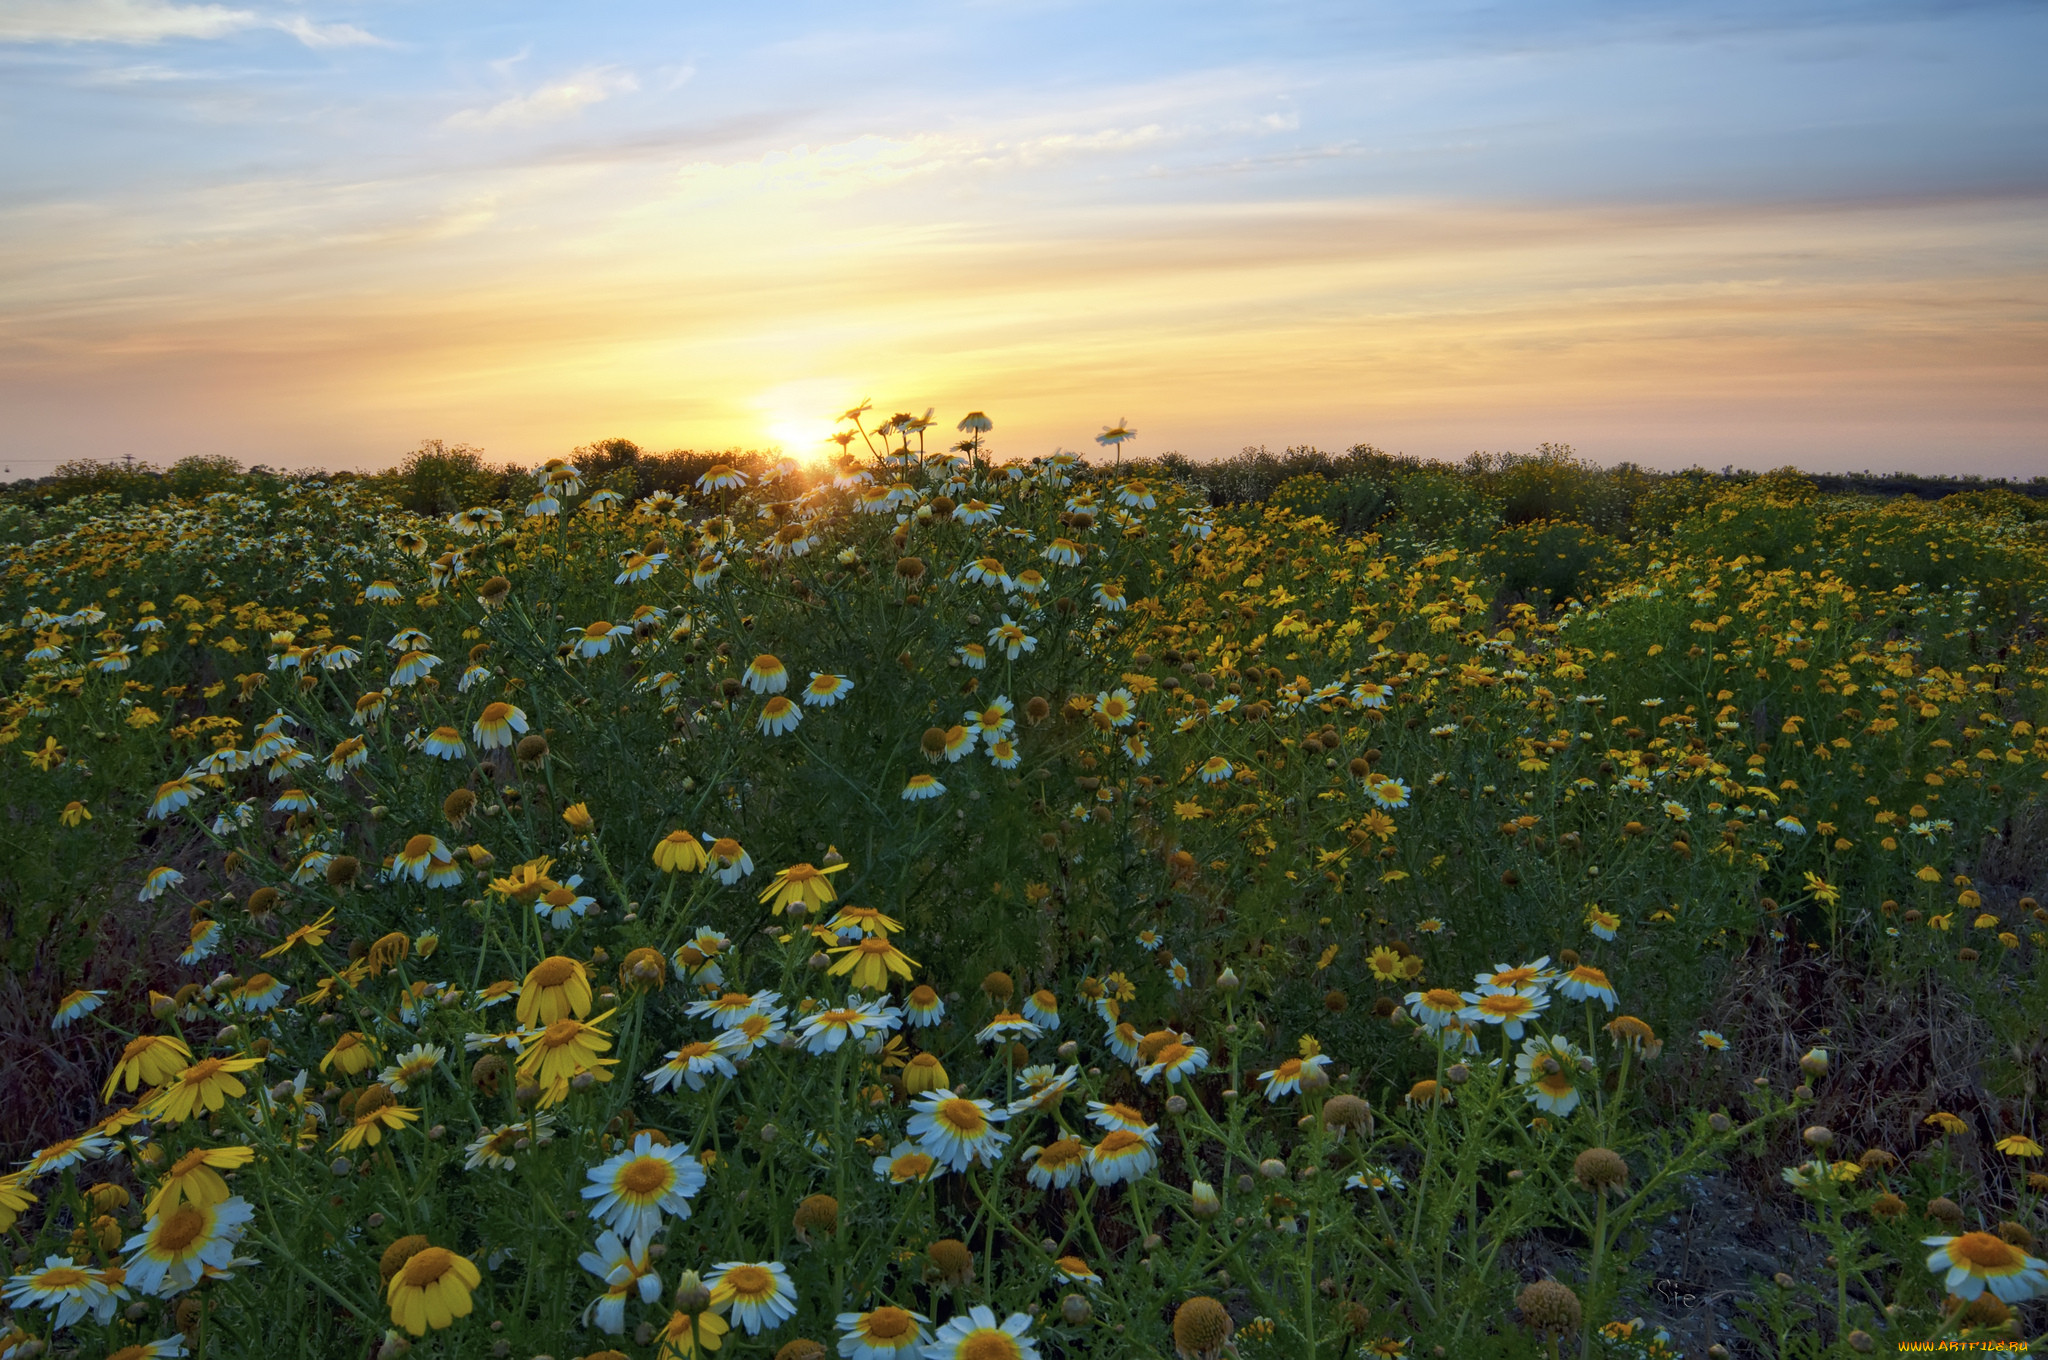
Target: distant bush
<point>202,475</point>
<point>1438,505</point>
<point>1557,560</point>
<point>1552,484</point>
<point>1767,529</point>
<point>1347,504</point>
<point>1996,504</point>
<point>439,478</point>
<point>1672,498</point>
<point>1255,474</point>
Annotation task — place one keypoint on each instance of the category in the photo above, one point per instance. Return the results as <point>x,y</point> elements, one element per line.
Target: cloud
<point>140,23</point>
<point>329,35</point>
<point>550,103</point>
<point>135,22</point>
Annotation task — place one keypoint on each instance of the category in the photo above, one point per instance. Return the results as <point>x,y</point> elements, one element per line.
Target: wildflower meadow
<point>917,904</point>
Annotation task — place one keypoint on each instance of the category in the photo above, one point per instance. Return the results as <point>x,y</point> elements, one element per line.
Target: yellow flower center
<point>886,1324</point>
<point>1117,1142</point>
<point>964,1116</point>
<point>1065,1152</point>
<point>749,1282</point>
<point>989,1344</point>
<point>553,972</point>
<point>202,1071</point>
<point>496,713</point>
<point>646,1175</point>
<point>419,847</point>
<point>1983,1252</point>
<point>187,1225</point>
<point>427,1267</point>
<point>189,1163</point>
<point>562,1033</point>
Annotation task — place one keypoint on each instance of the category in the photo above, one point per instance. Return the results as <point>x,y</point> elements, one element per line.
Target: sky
<point>1748,232</point>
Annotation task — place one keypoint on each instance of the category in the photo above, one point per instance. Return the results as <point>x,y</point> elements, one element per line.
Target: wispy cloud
<point>550,103</point>
<point>329,35</point>
<point>132,22</point>
<point>143,23</point>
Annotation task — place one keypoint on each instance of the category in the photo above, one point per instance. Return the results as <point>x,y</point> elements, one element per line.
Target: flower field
<point>919,907</point>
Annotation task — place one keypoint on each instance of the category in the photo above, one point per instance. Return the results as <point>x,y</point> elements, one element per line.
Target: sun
<point>799,437</point>
<point>797,416</point>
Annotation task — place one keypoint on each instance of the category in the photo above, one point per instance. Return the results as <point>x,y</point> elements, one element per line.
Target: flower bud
<point>1458,1074</point>
<point>1719,1122</point>
<point>1176,1105</point>
<point>1272,1168</point>
<point>1818,1136</point>
<point>1226,981</point>
<point>1075,1310</point>
<point>1206,1204</point>
<point>691,1295</point>
<point>1815,1063</point>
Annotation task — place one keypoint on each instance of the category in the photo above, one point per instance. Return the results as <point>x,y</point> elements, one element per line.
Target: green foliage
<point>1442,507</point>
<point>1554,484</point>
<point>439,478</point>
<point>202,475</point>
<point>1753,523</point>
<point>1550,560</point>
<point>1348,504</point>
<point>1266,786</point>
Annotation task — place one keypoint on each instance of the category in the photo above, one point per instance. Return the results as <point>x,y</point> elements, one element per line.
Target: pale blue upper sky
<point>323,231</point>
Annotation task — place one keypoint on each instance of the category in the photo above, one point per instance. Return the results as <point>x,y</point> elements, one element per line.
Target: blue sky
<point>1746,233</point>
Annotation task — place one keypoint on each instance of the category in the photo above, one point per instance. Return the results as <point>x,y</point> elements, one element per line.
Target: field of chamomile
<point>914,904</point>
